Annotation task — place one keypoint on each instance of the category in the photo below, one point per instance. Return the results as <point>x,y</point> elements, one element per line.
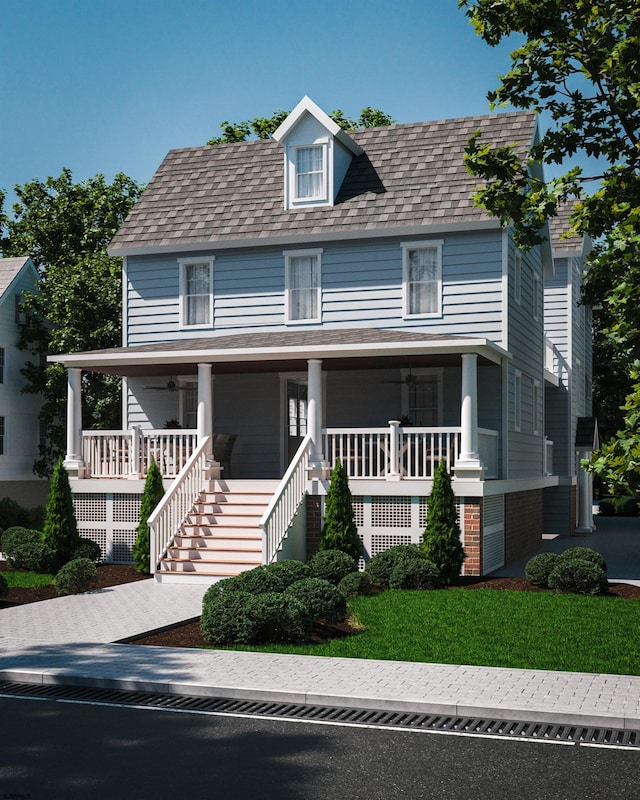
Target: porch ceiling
<point>286,351</point>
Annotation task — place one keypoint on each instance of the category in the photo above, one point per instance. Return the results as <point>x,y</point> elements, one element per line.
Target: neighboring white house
<point>325,295</point>
<point>19,413</point>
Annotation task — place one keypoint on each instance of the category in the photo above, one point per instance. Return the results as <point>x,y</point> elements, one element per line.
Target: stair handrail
<point>285,502</point>
<point>165,520</point>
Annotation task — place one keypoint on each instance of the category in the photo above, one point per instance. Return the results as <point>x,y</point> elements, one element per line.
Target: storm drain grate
<point>512,729</point>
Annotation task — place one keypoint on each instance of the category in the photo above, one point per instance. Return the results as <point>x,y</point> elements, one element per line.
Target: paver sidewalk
<point>67,641</point>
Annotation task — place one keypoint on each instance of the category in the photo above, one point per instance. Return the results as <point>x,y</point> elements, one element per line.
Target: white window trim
<point>517,401</point>
<point>291,162</point>
<point>182,264</point>
<point>536,407</point>
<point>517,278</point>
<point>432,244</point>
<point>288,255</point>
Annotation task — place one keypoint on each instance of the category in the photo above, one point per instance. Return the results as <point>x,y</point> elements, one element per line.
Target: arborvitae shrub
<point>24,549</point>
<point>412,573</point>
<point>538,568</point>
<point>79,575</point>
<point>225,617</point>
<point>4,586</point>
<point>381,565</point>
<point>87,548</point>
<point>288,572</point>
<point>339,530</point>
<point>60,526</point>
<point>356,583</point>
<point>441,539</point>
<point>323,600</point>
<point>578,576</point>
<point>152,494</point>
<point>332,565</point>
<point>586,554</point>
<point>278,617</point>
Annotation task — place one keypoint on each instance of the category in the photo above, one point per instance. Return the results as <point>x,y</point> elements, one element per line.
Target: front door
<point>296,421</point>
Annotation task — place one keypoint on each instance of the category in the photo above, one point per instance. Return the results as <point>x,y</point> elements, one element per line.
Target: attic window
<point>310,180</point>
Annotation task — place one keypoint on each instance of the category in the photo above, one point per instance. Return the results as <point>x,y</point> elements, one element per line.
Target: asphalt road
<point>54,751</point>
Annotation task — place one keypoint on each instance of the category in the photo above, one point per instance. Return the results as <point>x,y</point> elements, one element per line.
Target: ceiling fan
<point>171,386</point>
<point>409,379</point>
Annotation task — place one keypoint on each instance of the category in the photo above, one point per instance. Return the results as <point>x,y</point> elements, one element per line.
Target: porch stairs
<point>221,536</point>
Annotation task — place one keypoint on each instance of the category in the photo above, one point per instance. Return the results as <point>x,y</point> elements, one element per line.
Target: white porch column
<point>314,416</point>
<point>205,404</point>
<point>468,465</point>
<point>584,523</point>
<point>73,461</point>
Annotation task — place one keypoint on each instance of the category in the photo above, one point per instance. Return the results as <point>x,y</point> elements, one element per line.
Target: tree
<point>60,527</point>
<point>152,494</point>
<point>263,127</point>
<point>579,65</point>
<point>65,227</point>
<point>441,538</point>
<point>339,530</point>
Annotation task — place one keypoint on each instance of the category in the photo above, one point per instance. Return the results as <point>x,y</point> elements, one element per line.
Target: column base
<point>318,470</point>
<point>469,469</point>
<point>75,467</point>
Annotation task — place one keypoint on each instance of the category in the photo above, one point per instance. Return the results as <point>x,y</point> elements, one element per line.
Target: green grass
<point>27,580</point>
<point>491,628</point>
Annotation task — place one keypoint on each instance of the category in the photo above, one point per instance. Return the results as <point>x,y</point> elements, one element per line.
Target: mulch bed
<point>189,635</point>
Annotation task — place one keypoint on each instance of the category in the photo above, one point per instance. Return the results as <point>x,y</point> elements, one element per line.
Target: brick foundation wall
<point>523,524</point>
<point>472,537</point>
<point>314,523</point>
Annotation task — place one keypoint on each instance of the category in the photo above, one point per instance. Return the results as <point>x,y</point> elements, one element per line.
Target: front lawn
<point>485,627</point>
<point>27,580</point>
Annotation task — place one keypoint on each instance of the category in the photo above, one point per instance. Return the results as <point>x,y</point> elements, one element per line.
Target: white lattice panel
<point>382,542</point>
<point>90,507</point>
<point>357,503</point>
<point>391,512</point>
<point>99,537</point>
<point>123,541</point>
<point>110,519</point>
<point>126,508</point>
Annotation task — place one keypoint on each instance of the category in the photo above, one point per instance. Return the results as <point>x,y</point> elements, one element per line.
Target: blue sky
<point>106,86</point>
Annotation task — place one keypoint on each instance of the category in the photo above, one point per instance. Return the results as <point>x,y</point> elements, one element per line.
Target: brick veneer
<point>523,524</point>
<point>472,536</point>
<point>314,523</point>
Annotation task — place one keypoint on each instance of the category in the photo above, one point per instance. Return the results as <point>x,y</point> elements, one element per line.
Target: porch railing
<point>125,454</point>
<point>164,523</point>
<point>286,500</point>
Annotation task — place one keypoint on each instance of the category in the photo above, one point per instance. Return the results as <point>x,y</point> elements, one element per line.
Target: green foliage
<point>578,576</point>
<point>321,599</point>
<point>339,530</point>
<point>13,514</point>
<point>538,568</point>
<point>60,526</point>
<point>87,548</point>
<point>586,554</point>
<point>79,575</point>
<point>225,618</point>
<point>279,617</point>
<point>441,539</point>
<point>382,565</point>
<point>24,549</point>
<point>287,572</point>
<point>332,565</point>
<point>4,586</point>
<point>65,227</point>
<point>152,494</point>
<point>264,127</point>
<point>413,573</point>
<point>356,583</point>
<point>578,65</point>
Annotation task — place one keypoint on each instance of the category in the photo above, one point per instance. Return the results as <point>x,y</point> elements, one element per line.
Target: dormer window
<point>310,173</point>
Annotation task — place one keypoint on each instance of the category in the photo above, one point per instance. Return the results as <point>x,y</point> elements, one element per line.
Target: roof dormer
<point>317,154</point>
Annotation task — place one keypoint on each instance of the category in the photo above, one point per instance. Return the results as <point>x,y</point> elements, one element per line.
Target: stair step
<point>214,531</point>
<point>211,554</point>
<point>222,568</point>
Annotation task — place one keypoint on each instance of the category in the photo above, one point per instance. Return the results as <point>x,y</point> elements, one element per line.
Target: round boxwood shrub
<point>322,599</point>
<point>579,576</point>
<point>279,617</point>
<point>356,583</point>
<point>79,575</point>
<point>258,581</point>
<point>4,586</point>
<point>332,565</point>
<point>586,554</point>
<point>225,616</point>
<point>538,568</point>
<point>288,571</point>
<point>87,548</point>
<point>381,565</point>
<point>24,549</point>
<point>415,573</point>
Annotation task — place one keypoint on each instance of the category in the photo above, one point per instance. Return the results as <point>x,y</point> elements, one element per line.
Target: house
<point>325,295</point>
<point>19,413</point>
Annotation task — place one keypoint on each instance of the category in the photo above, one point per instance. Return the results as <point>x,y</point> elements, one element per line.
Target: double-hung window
<point>422,279</point>
<point>302,286</point>
<point>196,279</point>
<point>310,174</point>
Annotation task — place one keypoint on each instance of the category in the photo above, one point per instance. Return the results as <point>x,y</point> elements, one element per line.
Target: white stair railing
<point>166,519</point>
<point>286,500</point>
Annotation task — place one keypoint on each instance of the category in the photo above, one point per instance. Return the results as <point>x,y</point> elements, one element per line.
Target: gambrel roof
<point>409,178</point>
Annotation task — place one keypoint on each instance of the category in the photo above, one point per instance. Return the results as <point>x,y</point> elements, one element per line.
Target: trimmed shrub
<point>586,554</point>
<point>381,565</point>
<point>225,616</point>
<point>60,527</point>
<point>323,600</point>
<point>339,530</point>
<point>356,583</point>
<point>87,548</point>
<point>152,494</point>
<point>4,586</point>
<point>578,576</point>
<point>258,580</point>
<point>12,515</point>
<point>441,542</point>
<point>24,549</point>
<point>288,572</point>
<point>332,565</point>
<point>413,573</point>
<point>539,568</point>
<point>279,617</point>
<point>79,575</point>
